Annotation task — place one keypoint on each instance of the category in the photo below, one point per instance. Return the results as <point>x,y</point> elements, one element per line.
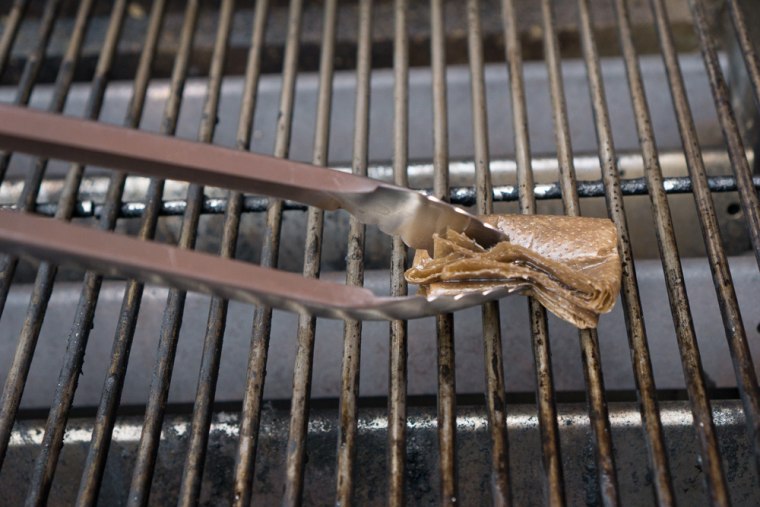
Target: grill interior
<point>644,112</point>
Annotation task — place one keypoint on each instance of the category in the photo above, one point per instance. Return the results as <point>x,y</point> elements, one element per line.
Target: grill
<point>116,392</point>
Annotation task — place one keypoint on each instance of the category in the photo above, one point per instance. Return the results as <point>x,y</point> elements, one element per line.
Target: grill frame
<point>496,405</point>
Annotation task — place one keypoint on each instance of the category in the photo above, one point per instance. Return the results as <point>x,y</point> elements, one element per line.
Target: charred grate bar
<point>375,33</point>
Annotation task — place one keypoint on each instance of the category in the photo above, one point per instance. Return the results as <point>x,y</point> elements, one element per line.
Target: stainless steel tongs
<point>412,215</point>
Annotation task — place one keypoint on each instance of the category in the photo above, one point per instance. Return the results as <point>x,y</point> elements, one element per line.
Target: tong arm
<point>395,210</point>
<point>108,253</point>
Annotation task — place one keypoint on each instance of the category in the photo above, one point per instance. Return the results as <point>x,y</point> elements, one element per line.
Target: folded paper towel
<point>570,264</point>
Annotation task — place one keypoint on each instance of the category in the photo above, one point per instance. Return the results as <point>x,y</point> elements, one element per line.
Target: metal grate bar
<point>492,346</point>
<point>270,250</point>
<point>33,180</point>
<point>679,303</point>
<point>640,351</point>
<point>748,51</point>
<point>47,459</point>
<point>304,364</point>
<point>463,196</point>
<point>64,79</point>
<point>251,413</point>
<point>23,93</point>
<point>355,266</point>
<point>724,287</point>
<point>148,447</point>
<point>32,66</point>
<point>607,475</point>
<point>352,331</point>
<point>663,221</point>
<point>192,473</point>
<point>250,417</point>
<point>592,367</point>
<point>546,403</point>
<point>615,208</point>
<point>10,29</point>
<point>263,316</point>
<point>541,349</point>
<point>104,422</point>
<point>447,408</point>
<point>672,265</point>
<point>16,379</point>
<point>398,373</point>
<point>747,195</point>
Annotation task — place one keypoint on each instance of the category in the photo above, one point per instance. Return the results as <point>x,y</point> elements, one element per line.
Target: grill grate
<point>483,194</point>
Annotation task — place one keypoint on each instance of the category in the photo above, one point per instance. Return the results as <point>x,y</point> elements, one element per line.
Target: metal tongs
<point>412,215</point>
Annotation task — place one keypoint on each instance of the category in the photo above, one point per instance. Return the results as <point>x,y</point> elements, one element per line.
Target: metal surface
<point>423,93</point>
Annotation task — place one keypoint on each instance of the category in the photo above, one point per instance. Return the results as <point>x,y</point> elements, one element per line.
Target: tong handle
<point>108,253</point>
<point>395,210</point>
<point>135,151</point>
<point>119,255</point>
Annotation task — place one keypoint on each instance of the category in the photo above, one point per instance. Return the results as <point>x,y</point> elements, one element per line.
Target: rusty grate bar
<point>30,73</point>
<point>748,51</point>
<point>352,330</point>
<point>588,338</point>
<point>462,196</point>
<point>492,348</point>
<point>546,403</point>
<point>688,348</point>
<point>303,368</point>
<point>192,472</point>
<point>732,320</point>
<point>447,408</point>
<point>615,209</point>
<point>147,451</point>
<point>47,459</point>
<point>269,253</point>
<point>398,372</point>
<point>747,195</point>
<point>639,348</point>
<point>10,29</point>
<point>16,379</point>
<point>251,413</point>
<point>100,441</point>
